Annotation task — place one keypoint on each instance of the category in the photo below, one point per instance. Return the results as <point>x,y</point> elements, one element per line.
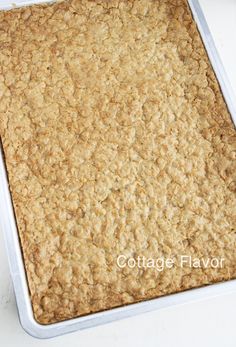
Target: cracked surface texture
<point>117,140</point>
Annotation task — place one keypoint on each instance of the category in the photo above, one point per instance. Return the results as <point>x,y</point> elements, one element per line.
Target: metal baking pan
<point>8,226</point>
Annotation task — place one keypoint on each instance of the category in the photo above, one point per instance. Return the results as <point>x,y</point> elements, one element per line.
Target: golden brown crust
<point>117,141</point>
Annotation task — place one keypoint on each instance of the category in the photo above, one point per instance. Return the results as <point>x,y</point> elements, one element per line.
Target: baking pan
<point>8,4</point>
<point>8,226</point>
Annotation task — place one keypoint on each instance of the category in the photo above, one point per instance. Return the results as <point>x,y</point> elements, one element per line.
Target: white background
<point>208,323</point>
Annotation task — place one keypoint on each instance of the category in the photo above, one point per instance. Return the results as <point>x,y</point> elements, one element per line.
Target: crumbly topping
<point>117,141</point>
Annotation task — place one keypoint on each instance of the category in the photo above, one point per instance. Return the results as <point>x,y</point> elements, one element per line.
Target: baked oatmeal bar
<point>117,141</point>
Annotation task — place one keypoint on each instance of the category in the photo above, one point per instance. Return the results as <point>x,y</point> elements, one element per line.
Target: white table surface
<point>208,323</point>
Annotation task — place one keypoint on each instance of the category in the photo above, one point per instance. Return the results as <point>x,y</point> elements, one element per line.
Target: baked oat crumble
<point>117,141</point>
